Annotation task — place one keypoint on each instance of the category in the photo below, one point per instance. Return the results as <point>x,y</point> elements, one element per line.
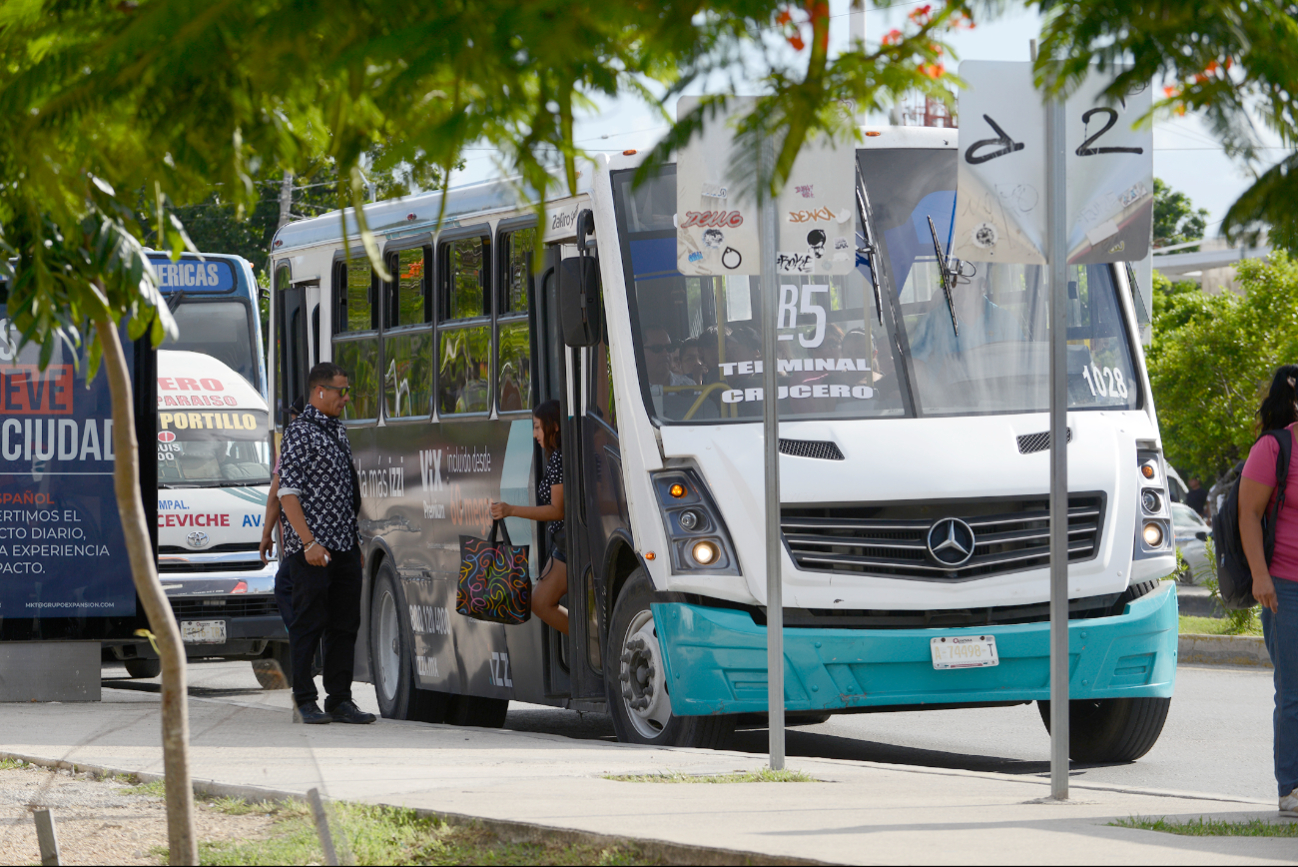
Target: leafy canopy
<point>1213,357</point>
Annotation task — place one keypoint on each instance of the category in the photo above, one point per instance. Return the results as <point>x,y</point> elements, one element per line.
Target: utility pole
<point>285,200</point>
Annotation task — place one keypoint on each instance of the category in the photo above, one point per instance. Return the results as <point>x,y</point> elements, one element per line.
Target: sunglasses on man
<point>343,390</point>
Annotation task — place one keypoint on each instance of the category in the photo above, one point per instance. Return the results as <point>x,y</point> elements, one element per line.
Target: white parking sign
<point>1001,184</point>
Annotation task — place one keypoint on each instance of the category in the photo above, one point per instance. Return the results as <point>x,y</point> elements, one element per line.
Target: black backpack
<point>1234,577</point>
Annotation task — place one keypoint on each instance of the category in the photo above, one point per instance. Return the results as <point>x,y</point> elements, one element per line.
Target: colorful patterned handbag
<point>494,584</point>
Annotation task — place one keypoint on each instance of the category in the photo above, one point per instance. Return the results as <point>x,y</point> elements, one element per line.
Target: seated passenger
<point>674,394</point>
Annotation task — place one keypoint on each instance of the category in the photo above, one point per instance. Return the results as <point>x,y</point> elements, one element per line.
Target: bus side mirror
<point>580,310</point>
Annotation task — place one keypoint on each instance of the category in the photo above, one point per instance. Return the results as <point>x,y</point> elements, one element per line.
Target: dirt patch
<point>100,821</point>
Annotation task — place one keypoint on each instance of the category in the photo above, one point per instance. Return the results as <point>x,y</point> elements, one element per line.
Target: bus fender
<point>375,551</point>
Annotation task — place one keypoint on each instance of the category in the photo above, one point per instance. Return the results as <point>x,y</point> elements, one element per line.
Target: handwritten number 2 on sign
<point>1085,150</point>
<point>1007,145</point>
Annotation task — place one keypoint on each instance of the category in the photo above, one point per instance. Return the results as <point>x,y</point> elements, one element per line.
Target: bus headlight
<point>1153,529</point>
<point>705,553</point>
<point>697,537</point>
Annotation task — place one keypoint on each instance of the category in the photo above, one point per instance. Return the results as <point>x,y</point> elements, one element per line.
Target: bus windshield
<point>220,329</point>
<point>698,345</point>
<point>999,359</point>
<point>205,448</point>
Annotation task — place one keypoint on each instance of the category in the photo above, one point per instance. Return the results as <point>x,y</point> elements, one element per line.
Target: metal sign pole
<point>1057,256</point>
<point>771,433</point>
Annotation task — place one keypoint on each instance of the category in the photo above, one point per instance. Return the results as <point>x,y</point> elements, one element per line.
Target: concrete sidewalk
<point>860,813</point>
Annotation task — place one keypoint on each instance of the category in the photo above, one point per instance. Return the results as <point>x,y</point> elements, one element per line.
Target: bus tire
<point>143,668</point>
<point>275,669</point>
<point>1111,730</point>
<point>636,684</point>
<point>474,710</point>
<point>392,656</point>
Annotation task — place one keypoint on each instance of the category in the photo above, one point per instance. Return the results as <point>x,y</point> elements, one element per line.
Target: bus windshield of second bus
<point>840,357</point>
<point>213,300</point>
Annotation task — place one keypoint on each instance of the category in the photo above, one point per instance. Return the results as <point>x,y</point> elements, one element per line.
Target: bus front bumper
<point>715,661</point>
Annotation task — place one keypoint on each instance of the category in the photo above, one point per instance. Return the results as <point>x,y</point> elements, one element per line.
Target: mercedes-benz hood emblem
<point>950,542</point>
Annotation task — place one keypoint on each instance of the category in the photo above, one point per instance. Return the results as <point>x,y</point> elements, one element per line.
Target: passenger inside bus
<point>549,509</point>
<point>674,394</point>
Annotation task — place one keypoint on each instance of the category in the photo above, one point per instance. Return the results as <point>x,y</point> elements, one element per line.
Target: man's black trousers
<point>326,604</point>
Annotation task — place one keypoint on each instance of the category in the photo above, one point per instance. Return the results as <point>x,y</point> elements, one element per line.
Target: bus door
<point>564,376</point>
<point>293,352</point>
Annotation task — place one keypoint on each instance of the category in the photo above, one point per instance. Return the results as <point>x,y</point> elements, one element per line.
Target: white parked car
<point>1192,534</point>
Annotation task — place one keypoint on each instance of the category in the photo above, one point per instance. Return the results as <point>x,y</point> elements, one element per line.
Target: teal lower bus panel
<point>715,661</point>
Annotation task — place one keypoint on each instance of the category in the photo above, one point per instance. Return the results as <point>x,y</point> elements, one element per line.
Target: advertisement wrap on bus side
<point>62,550</point>
<point>420,496</point>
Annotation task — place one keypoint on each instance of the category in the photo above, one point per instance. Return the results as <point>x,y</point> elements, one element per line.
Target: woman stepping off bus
<point>549,498</point>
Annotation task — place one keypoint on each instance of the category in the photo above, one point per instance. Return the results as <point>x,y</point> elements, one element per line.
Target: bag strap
<point>1284,439</point>
<point>499,525</point>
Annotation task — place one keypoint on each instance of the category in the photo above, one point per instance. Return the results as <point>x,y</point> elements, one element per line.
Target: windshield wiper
<point>871,249</point>
<point>174,299</point>
<point>947,277</point>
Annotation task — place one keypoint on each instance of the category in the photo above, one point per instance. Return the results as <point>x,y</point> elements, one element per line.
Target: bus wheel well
<point>623,562</point>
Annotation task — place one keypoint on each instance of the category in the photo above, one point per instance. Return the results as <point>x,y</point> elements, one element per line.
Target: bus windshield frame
<point>697,340</point>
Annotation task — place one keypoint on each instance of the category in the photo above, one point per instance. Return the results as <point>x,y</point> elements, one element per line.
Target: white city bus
<point>913,461</point>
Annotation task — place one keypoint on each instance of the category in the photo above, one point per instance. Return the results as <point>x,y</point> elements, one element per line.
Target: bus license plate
<point>204,631</point>
<point>964,651</point>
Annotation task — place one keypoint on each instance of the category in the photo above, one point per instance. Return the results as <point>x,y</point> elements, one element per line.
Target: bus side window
<point>408,336</point>
<point>513,340</point>
<point>464,336</point>
<point>356,339</point>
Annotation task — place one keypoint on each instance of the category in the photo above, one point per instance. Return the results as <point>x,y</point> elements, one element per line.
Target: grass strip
<point>765,775</point>
<point>1204,827</point>
<point>393,835</point>
<point>1216,626</point>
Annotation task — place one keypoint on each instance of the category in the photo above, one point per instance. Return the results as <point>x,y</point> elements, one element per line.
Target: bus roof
<point>418,214</point>
<point>195,379</point>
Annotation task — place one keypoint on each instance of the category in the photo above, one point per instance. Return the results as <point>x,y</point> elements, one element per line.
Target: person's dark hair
<point>1278,409</point>
<point>548,414</point>
<point>323,374</point>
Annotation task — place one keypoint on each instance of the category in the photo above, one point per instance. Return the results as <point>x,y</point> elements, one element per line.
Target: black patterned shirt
<point>316,465</point>
<point>553,476</point>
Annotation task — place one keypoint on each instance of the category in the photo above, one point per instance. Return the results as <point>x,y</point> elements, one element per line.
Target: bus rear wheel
<point>392,657</point>
<point>1111,730</point>
<point>635,680</point>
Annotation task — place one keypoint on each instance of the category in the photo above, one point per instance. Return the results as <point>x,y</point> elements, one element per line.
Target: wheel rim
<point>388,655</point>
<point>642,678</point>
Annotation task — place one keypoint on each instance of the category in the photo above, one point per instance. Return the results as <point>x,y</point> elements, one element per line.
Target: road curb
<point>1198,649</point>
<point>505,830</point>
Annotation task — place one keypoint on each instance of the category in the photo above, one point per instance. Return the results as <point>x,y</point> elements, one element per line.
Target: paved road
<point>1217,739</point>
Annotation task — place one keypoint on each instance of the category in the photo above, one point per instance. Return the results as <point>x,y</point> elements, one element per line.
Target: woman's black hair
<point>548,413</point>
<point>1278,408</point>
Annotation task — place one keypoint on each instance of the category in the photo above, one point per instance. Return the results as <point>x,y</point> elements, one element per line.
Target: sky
<point>1185,154</point>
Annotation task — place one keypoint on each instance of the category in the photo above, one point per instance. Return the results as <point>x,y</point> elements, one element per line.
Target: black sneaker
<point>311,714</point>
<point>348,712</point>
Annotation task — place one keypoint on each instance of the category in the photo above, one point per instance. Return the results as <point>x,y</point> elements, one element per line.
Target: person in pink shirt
<point>1275,584</point>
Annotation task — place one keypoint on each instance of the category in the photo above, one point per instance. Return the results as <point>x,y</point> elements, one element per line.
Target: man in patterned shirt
<point>317,492</point>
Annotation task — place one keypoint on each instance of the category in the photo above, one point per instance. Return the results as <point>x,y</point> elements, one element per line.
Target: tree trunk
<point>162,622</point>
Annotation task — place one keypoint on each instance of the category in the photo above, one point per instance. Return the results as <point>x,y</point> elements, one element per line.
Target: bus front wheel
<point>636,682</point>
<point>1110,730</point>
<point>392,656</point>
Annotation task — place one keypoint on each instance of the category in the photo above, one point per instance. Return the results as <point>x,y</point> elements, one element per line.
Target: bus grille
<point>224,606</point>
<point>1009,535</point>
<point>821,449</point>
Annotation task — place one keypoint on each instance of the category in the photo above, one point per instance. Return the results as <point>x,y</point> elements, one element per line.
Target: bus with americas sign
<point>913,461</point>
<point>213,470</point>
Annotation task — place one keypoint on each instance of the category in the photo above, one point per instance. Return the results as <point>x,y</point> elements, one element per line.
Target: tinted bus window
<point>464,347</point>
<point>408,347</point>
<point>514,364</point>
<point>221,329</point>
